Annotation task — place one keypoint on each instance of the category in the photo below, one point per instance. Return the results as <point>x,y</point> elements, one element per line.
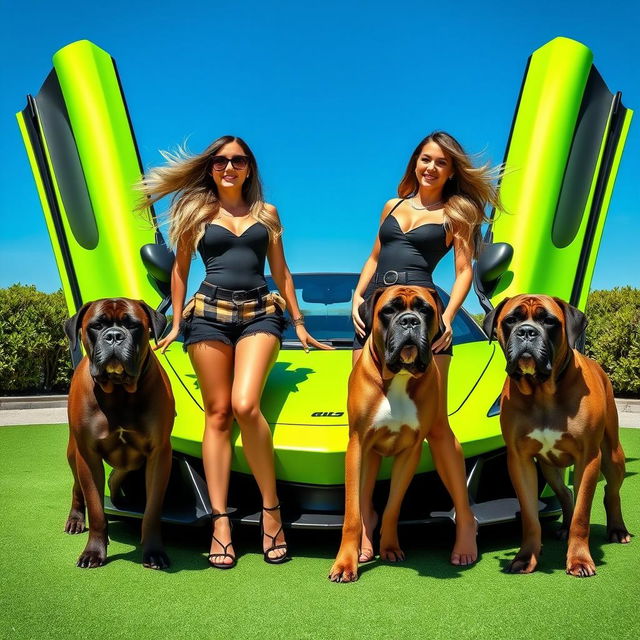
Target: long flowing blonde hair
<point>465,196</point>
<point>195,201</point>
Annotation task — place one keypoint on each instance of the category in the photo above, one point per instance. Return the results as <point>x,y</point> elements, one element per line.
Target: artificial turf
<point>44,595</point>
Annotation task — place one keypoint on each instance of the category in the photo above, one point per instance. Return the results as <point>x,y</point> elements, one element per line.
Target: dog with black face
<point>558,408</point>
<point>121,411</point>
<point>405,329</point>
<point>394,398</point>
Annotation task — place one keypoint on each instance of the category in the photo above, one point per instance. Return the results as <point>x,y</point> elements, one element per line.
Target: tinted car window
<point>325,301</point>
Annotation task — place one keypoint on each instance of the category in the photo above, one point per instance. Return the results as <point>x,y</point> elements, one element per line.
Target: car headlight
<point>495,408</point>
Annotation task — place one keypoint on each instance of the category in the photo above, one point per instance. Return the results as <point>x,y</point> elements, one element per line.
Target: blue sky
<point>332,99</point>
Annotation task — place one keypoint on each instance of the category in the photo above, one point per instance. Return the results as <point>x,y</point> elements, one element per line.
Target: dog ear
<point>489,323</point>
<point>73,324</point>
<point>157,321</point>
<point>575,322</point>
<point>365,310</point>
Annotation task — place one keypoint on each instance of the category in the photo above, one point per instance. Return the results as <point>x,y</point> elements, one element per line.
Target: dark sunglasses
<point>219,163</point>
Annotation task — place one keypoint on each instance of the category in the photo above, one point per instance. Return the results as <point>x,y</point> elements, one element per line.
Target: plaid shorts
<point>228,311</point>
<point>210,317</point>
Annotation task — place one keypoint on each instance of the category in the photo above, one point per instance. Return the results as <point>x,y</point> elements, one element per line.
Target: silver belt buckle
<point>242,297</point>
<point>393,273</point>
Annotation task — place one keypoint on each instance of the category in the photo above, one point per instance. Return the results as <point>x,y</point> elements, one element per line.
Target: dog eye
<point>510,320</point>
<point>96,325</point>
<point>550,321</point>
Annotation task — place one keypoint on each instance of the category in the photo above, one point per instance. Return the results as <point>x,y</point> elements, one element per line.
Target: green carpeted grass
<point>43,594</point>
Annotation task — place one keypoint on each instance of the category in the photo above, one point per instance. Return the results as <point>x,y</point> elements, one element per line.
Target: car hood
<point>310,389</point>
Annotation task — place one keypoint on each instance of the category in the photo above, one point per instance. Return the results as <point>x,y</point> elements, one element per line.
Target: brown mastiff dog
<point>393,400</point>
<point>121,410</point>
<point>558,407</point>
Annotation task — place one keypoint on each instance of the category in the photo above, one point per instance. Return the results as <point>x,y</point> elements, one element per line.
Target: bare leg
<point>213,364</point>
<point>370,466</point>
<point>449,460</point>
<point>255,356</point>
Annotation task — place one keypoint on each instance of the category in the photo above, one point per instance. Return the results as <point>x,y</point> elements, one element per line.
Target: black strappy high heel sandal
<point>284,557</point>
<point>224,554</point>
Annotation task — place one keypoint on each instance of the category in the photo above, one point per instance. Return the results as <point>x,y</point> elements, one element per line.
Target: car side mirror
<point>492,263</point>
<point>158,260</point>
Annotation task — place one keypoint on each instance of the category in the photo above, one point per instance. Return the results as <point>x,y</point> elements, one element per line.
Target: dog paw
<point>391,553</point>
<point>581,567</point>
<point>74,524</point>
<point>523,564</point>
<point>155,559</point>
<point>92,558</point>
<point>344,571</point>
<point>618,534</point>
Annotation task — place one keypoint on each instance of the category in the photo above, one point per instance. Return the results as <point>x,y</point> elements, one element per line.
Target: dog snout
<point>409,320</point>
<point>114,336</point>
<point>527,332</point>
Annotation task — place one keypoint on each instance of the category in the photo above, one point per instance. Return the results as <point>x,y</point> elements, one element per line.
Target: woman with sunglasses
<point>235,329</point>
<point>441,204</point>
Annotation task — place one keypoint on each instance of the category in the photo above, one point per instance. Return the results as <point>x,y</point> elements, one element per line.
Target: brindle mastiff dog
<point>393,400</point>
<point>557,407</point>
<point>121,410</point>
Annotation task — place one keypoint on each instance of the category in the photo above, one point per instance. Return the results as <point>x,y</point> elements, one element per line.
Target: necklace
<point>228,214</point>
<point>427,208</point>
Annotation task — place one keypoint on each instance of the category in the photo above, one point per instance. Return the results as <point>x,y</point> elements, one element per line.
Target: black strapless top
<point>417,250</point>
<point>234,262</point>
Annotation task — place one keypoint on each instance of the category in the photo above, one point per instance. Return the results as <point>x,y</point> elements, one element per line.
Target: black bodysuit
<point>418,250</point>
<point>415,253</point>
<point>234,262</point>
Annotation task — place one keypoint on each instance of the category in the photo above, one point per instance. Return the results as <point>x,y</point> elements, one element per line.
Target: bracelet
<point>298,321</point>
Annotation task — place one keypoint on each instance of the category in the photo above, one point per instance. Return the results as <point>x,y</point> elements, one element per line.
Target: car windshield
<point>325,302</point>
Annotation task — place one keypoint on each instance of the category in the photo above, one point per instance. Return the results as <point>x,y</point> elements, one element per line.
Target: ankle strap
<point>271,508</point>
<point>215,516</point>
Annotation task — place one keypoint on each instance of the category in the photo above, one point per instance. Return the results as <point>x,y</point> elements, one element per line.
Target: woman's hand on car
<point>306,339</point>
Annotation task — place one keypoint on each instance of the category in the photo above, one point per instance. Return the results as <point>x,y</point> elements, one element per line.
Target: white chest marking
<point>548,439</point>
<point>396,408</point>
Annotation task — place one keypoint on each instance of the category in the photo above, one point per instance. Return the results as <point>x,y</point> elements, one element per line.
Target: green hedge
<point>34,353</point>
<point>613,336</point>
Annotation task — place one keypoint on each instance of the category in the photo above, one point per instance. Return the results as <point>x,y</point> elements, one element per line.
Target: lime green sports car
<point>562,157</point>
<point>305,404</point>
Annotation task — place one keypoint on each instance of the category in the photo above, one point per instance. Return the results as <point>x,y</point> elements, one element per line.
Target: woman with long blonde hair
<point>233,327</point>
<point>441,203</point>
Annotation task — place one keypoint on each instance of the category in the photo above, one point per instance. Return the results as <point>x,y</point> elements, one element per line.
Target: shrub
<point>34,352</point>
<point>613,336</point>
